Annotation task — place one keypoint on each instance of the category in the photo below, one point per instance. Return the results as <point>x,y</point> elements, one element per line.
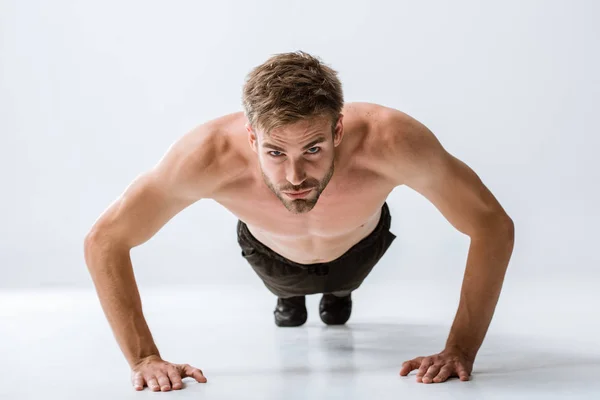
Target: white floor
<point>542,344</point>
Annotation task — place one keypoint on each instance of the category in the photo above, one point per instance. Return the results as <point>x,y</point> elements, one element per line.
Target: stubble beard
<point>301,206</point>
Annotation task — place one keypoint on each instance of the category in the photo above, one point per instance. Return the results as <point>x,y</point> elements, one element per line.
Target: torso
<point>347,211</point>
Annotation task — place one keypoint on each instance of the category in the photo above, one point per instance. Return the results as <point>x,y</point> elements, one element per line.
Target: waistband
<point>382,226</point>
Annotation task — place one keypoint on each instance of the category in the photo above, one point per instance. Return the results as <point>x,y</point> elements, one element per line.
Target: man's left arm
<point>418,160</point>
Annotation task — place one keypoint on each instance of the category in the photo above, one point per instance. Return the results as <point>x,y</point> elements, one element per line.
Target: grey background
<point>93,93</point>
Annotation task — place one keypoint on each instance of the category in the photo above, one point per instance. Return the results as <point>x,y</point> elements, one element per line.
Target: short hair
<point>290,87</point>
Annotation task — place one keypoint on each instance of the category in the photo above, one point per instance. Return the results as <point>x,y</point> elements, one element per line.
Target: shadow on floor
<point>374,348</point>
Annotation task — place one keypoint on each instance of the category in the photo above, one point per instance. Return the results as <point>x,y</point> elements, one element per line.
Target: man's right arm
<point>187,173</point>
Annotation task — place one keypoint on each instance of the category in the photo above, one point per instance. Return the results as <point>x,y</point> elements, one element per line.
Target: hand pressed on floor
<point>439,367</point>
<point>160,375</point>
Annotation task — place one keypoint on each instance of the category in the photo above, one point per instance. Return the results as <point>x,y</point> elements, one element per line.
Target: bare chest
<point>347,211</point>
<point>348,206</point>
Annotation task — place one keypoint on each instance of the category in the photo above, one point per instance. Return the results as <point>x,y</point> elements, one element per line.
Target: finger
<point>444,374</point>
<point>432,371</point>
<point>175,378</point>
<point>164,382</point>
<point>463,374</point>
<point>138,381</point>
<point>425,364</point>
<point>189,371</point>
<point>153,384</point>
<point>410,365</point>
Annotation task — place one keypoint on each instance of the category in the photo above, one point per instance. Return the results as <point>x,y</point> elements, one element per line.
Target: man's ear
<point>338,131</point>
<point>252,138</point>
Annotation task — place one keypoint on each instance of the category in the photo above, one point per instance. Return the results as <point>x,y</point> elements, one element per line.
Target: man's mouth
<point>298,194</point>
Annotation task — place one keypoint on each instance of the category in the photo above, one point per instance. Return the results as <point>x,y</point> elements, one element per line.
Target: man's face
<point>297,160</point>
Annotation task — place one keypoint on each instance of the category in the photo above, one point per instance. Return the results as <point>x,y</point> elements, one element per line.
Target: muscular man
<point>307,175</point>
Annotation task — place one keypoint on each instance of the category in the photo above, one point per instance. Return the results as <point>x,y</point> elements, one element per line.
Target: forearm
<point>488,258</point>
<point>112,273</point>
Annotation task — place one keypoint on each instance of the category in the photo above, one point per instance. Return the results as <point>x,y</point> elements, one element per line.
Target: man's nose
<point>296,174</point>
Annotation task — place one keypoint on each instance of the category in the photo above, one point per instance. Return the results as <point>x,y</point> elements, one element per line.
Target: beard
<point>300,206</point>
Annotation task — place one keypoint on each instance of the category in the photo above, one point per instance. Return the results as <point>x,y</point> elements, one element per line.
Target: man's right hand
<point>160,375</point>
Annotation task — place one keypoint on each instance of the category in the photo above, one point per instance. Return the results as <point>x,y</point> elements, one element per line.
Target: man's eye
<point>314,150</point>
<point>275,155</point>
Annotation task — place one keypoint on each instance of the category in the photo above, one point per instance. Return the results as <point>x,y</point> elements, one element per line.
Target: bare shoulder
<point>384,125</point>
<point>204,159</point>
<point>402,144</point>
<point>390,124</point>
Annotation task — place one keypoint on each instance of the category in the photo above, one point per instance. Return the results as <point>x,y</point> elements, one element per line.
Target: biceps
<point>460,195</point>
<point>139,213</point>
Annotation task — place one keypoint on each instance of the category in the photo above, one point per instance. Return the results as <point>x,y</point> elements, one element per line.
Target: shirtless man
<point>307,175</point>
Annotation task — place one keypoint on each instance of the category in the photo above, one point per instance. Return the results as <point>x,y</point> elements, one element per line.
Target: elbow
<point>494,225</point>
<point>96,240</point>
<point>91,239</point>
<point>509,227</point>
<point>505,230</point>
<point>103,240</point>
<point>90,242</point>
<point>504,224</point>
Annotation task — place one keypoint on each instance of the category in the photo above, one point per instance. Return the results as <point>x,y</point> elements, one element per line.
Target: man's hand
<point>160,375</point>
<point>439,367</point>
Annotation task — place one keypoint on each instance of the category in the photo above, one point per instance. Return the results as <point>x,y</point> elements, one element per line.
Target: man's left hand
<point>439,367</point>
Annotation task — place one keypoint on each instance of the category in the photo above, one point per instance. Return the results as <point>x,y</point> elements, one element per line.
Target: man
<point>308,177</point>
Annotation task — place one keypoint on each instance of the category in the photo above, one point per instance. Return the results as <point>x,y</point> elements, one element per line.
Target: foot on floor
<point>290,311</point>
<point>335,310</point>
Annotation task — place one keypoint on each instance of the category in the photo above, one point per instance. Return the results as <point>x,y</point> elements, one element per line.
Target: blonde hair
<point>289,87</point>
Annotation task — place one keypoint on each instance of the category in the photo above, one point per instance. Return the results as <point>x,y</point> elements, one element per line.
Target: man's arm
<point>183,176</point>
<point>421,163</point>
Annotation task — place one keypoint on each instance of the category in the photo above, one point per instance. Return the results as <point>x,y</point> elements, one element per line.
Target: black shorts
<point>286,278</point>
